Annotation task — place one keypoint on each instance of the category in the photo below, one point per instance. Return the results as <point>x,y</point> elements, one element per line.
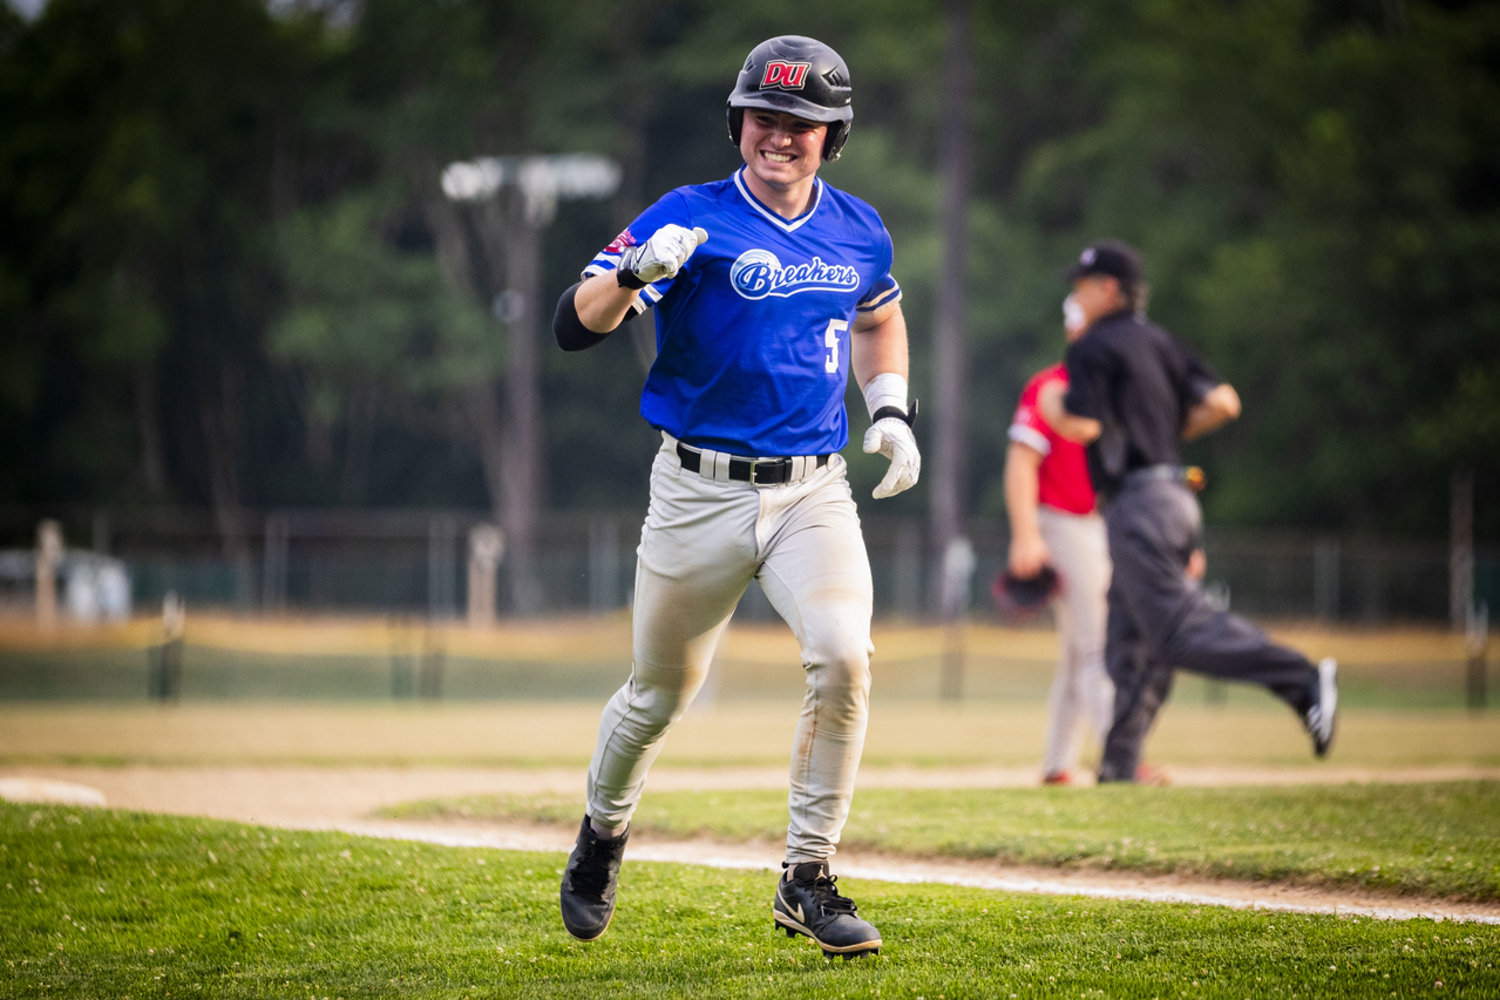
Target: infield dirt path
<point>297,796</point>
<point>344,798</point>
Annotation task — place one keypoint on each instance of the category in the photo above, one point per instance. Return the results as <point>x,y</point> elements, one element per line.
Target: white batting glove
<point>893,439</point>
<point>661,256</point>
<point>891,435</point>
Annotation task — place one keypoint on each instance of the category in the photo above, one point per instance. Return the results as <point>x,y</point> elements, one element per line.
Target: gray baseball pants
<point>1159,620</point>
<point>1081,689</point>
<point>702,544</point>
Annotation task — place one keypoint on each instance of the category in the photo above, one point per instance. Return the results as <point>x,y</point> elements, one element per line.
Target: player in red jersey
<point>1053,521</point>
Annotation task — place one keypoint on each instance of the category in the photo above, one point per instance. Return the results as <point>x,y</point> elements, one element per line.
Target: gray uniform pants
<point>1159,620</point>
<point>1080,688</point>
<point>703,542</point>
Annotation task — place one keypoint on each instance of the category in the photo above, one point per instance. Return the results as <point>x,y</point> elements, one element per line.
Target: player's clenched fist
<point>659,257</point>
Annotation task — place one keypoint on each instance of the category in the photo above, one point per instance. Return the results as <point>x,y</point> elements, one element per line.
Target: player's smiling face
<point>781,150</point>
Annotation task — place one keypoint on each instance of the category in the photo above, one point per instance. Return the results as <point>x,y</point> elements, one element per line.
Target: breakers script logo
<point>757,273</point>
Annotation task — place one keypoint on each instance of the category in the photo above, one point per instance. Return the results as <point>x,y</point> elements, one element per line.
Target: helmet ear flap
<point>735,118</point>
<point>833,141</point>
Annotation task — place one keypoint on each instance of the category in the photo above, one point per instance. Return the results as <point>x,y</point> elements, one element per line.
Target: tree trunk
<point>482,412</point>
<point>513,236</point>
<point>495,252</point>
<point>359,443</point>
<point>148,426</point>
<point>948,334</point>
<point>223,420</point>
<point>455,255</point>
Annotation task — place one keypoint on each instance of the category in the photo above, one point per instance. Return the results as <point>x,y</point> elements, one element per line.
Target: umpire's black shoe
<point>1321,716</point>
<point>808,902</point>
<point>588,882</point>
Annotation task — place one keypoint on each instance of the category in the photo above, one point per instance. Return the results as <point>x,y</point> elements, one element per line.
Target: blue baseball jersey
<point>752,335</point>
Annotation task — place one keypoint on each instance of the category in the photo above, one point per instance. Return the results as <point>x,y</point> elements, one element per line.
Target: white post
<point>173,618</point>
<point>165,680</point>
<point>49,551</point>
<point>486,547</point>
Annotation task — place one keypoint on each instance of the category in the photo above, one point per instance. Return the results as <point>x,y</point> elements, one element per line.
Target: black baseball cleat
<point>588,882</point>
<point>1323,713</point>
<point>808,902</point>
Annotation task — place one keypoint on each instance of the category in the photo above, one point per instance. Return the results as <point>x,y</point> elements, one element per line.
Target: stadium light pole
<point>512,201</point>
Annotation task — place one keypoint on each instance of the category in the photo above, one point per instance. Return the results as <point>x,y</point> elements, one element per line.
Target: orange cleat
<point>1150,774</point>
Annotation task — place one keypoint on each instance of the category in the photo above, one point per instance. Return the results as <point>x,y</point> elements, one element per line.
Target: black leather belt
<point>760,471</point>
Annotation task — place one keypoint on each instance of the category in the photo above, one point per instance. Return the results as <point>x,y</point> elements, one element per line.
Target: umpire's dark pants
<point>1159,620</point>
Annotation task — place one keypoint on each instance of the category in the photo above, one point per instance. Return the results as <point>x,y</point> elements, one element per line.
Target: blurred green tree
<point>138,164</point>
<point>228,276</point>
<point>1314,192</point>
<point>368,319</point>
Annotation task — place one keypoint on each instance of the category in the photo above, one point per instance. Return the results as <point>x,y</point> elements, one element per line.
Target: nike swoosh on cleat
<point>790,911</point>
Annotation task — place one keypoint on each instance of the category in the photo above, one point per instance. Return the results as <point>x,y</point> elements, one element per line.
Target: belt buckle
<point>770,464</point>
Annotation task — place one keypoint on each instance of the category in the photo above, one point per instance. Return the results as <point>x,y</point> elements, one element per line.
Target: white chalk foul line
<point>767,858</point>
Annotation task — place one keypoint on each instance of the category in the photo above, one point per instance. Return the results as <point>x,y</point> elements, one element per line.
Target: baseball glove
<point>1016,598</point>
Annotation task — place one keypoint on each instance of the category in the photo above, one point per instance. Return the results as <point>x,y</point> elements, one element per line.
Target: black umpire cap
<point>1113,258</point>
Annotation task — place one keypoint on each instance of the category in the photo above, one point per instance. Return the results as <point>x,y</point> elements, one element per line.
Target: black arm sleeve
<point>569,330</point>
<point>1087,378</point>
<point>1201,379</point>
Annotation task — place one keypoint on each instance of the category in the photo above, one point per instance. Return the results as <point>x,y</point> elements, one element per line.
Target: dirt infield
<point>302,796</point>
<point>953,871</point>
<point>343,798</point>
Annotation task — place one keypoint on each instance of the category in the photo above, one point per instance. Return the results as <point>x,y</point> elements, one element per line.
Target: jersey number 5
<point>831,341</point>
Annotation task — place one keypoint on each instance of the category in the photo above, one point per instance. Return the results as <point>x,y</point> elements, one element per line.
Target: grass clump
<point>125,905</point>
<point>1437,839</point>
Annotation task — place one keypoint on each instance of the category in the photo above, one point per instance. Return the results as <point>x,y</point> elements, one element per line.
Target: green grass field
<point>123,905</point>
<point>1433,839</point>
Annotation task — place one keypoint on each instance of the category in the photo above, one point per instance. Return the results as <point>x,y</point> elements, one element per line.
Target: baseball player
<point>1134,393</point>
<point>1053,522</point>
<point>768,287</point>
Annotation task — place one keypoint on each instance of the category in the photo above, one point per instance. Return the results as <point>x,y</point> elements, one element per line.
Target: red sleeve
<point>1027,426</point>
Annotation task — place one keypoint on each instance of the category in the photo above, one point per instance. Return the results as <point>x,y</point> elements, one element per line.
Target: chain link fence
<point>415,563</point>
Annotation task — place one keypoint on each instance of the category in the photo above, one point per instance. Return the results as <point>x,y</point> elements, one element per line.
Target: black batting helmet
<point>800,76</point>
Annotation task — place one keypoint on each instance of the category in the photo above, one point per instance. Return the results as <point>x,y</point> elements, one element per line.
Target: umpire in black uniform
<point>1134,394</point>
